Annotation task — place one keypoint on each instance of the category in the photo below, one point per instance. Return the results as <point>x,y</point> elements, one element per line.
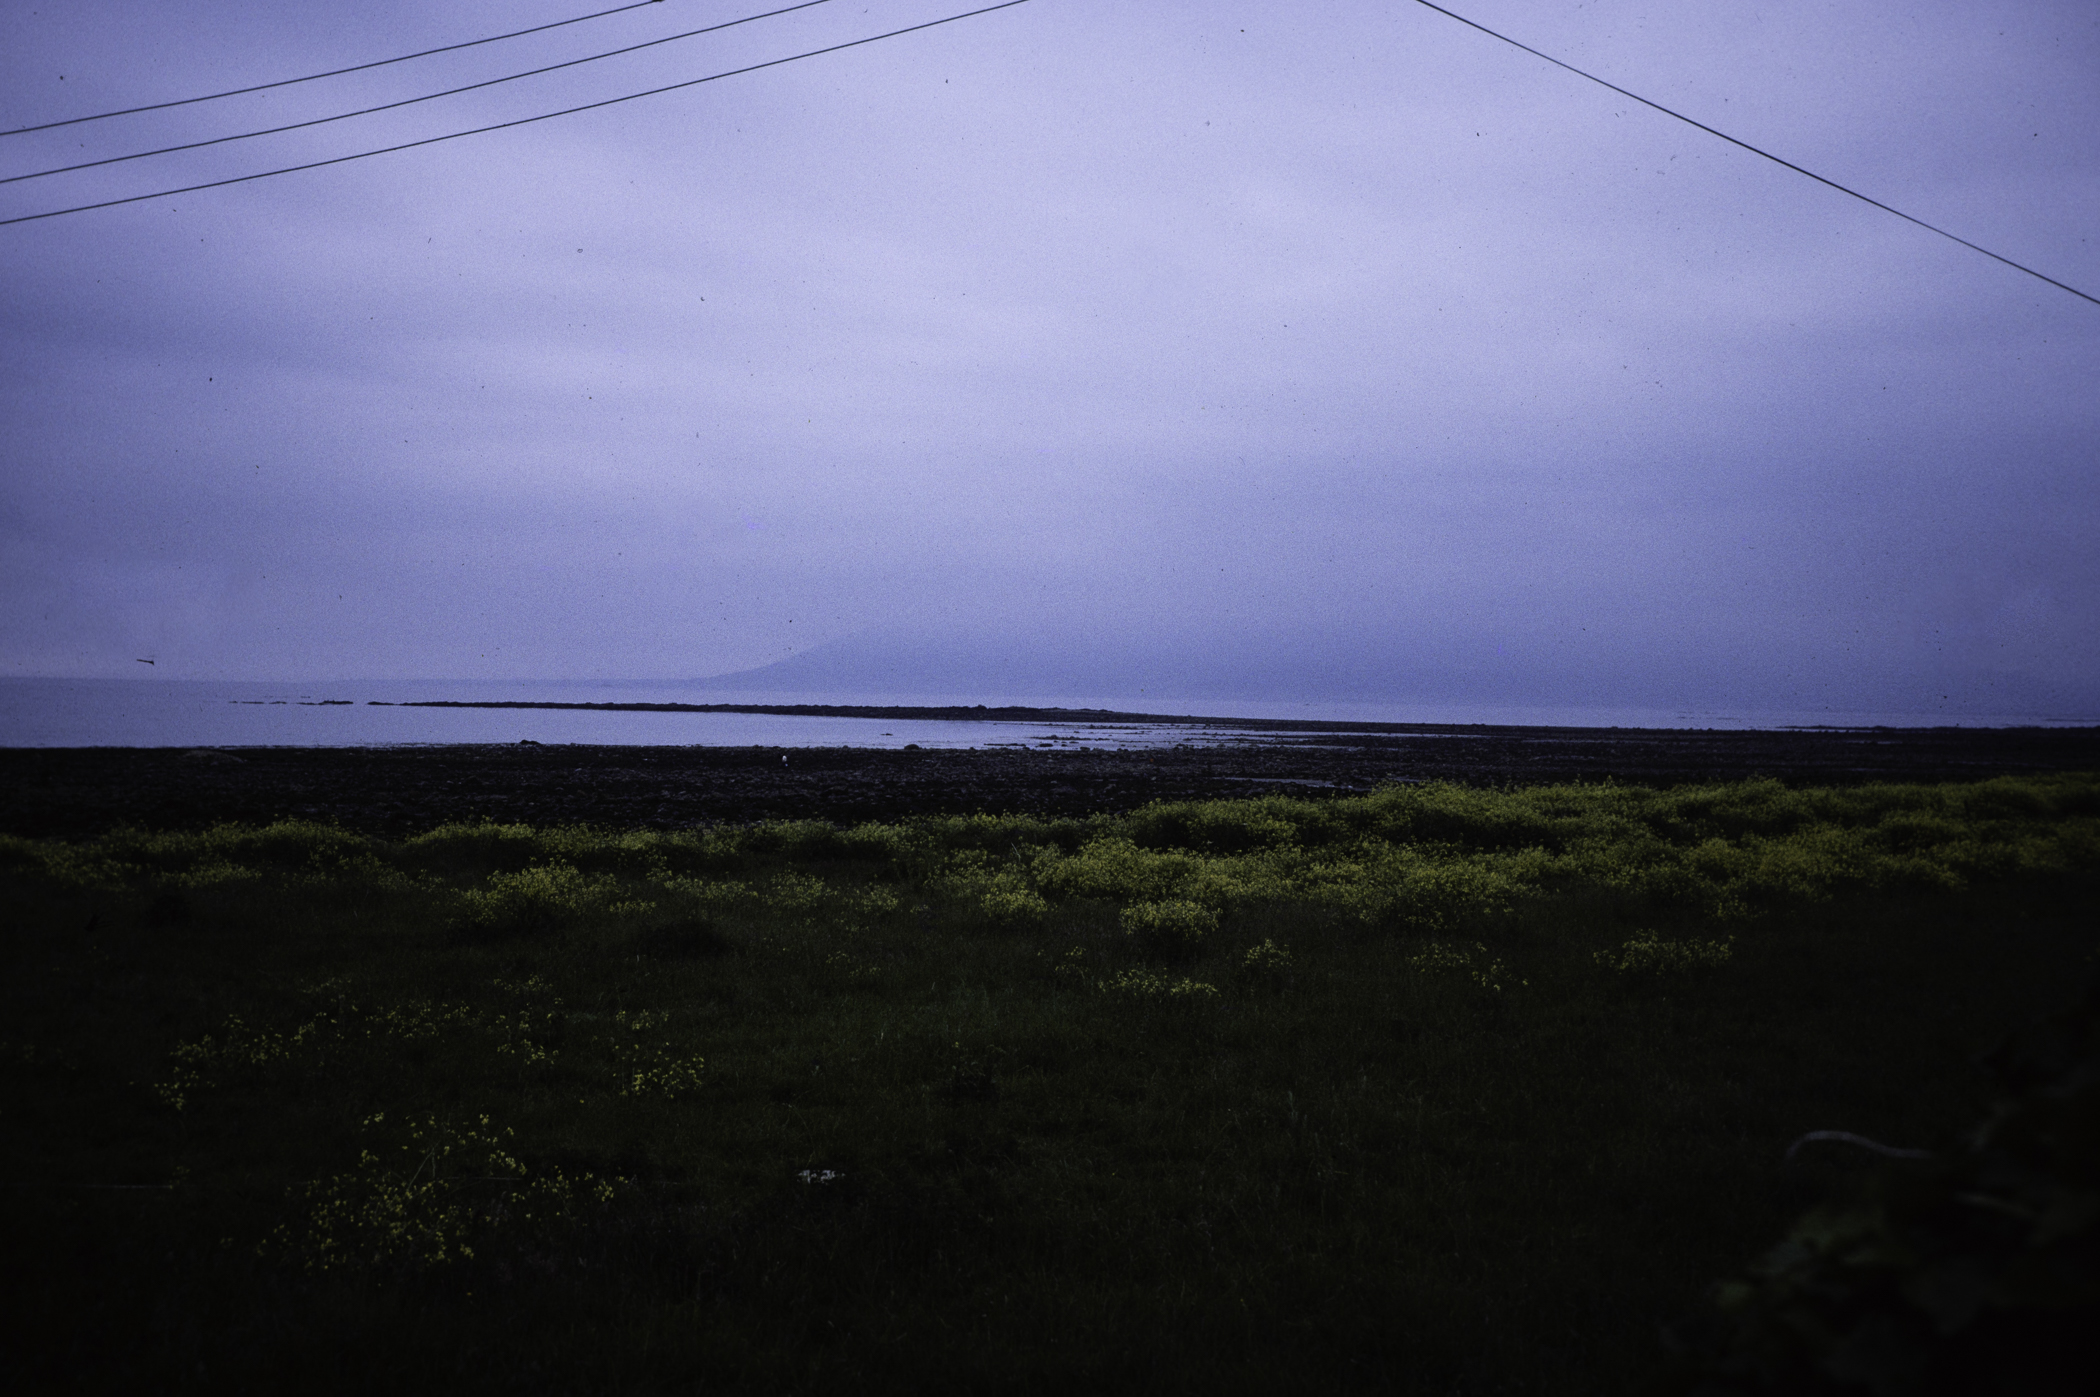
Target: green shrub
<point>1267,963</point>
<point>1169,926</point>
<point>476,849</point>
<point>535,900</point>
<point>1233,826</point>
<point>429,1200</point>
<point>1001,895</point>
<point>658,1069</point>
<point>1113,869</point>
<point>1146,984</point>
<point>1649,954</point>
<point>1478,965</point>
<point>1011,905</point>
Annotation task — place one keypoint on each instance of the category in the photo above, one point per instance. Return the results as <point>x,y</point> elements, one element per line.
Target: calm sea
<point>195,713</point>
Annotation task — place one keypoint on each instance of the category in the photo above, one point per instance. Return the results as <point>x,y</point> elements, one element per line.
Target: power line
<point>1765,153</point>
<point>521,121</point>
<point>331,73</point>
<point>409,101</point>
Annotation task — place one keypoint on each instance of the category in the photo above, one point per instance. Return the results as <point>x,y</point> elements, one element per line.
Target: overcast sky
<point>1337,345</point>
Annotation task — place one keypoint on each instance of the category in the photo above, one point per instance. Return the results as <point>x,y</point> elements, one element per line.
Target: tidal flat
<point>410,789</point>
<point>1417,1087</point>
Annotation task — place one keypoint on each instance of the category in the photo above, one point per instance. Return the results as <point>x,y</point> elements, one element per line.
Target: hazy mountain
<point>1330,668</point>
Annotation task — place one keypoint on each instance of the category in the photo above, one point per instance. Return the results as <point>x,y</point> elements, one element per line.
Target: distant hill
<point>889,664</point>
<point>1317,668</point>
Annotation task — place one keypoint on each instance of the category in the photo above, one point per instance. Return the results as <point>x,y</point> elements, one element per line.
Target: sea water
<point>363,713</point>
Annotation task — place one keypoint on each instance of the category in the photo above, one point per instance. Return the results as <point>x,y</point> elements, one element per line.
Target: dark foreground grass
<point>1431,1091</point>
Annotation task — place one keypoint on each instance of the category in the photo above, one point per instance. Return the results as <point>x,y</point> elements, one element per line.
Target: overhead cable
<point>1635,96</point>
<point>331,73</point>
<point>521,121</point>
<point>409,101</point>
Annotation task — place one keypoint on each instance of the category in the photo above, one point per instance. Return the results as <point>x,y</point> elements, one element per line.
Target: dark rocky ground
<point>398,790</point>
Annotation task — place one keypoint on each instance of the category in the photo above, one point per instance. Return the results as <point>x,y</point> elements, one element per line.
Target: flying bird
<point>145,662</point>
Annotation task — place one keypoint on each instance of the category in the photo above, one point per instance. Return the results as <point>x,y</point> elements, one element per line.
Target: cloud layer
<point>1330,349</point>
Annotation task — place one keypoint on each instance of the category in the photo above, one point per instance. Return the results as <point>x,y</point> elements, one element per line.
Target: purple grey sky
<point>1307,350</point>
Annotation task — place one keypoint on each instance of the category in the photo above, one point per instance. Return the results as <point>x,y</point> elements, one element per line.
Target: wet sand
<point>76,792</point>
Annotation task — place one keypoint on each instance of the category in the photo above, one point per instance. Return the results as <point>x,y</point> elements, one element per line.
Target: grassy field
<point>1433,1090</point>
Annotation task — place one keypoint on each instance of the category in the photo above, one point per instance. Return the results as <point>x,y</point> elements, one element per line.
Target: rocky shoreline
<point>81,792</point>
